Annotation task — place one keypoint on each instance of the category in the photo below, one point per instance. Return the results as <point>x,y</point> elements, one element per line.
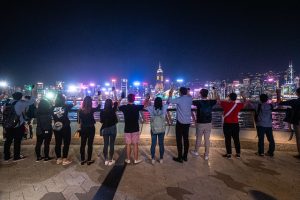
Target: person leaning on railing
<point>295,119</point>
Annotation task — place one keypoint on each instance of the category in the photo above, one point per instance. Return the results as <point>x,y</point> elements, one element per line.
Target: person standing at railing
<point>158,127</point>
<point>263,120</point>
<point>87,128</point>
<point>62,129</point>
<point>108,118</point>
<point>183,114</point>
<point>132,129</point>
<point>204,118</point>
<point>231,126</point>
<point>295,104</point>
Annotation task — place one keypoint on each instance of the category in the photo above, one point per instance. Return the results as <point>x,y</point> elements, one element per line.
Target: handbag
<point>57,126</point>
<point>77,134</point>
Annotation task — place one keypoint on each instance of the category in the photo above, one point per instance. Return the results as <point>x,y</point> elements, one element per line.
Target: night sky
<point>97,41</point>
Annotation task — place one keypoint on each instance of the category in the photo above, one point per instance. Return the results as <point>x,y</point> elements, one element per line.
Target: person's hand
<point>171,92</point>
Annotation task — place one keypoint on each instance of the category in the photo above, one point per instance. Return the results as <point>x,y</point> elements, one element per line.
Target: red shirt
<point>233,116</point>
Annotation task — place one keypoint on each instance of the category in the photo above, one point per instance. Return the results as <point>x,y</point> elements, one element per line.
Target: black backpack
<point>10,117</point>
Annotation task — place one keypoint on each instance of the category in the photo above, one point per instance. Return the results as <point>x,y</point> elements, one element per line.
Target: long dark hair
<point>158,103</point>
<point>60,100</point>
<point>87,104</point>
<point>44,107</point>
<point>108,105</point>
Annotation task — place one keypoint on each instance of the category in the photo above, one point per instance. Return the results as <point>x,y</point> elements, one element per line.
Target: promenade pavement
<point>251,177</point>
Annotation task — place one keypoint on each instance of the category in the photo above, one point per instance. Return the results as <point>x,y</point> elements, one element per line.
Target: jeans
<point>160,137</point>
<point>109,136</point>
<point>261,131</point>
<point>232,130</point>
<point>87,134</point>
<point>16,135</point>
<point>203,129</point>
<point>182,132</point>
<point>64,135</point>
<point>40,138</point>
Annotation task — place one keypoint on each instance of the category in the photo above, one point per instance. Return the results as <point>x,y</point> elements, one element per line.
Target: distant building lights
<point>103,89</point>
<point>113,80</point>
<point>107,84</point>
<point>179,80</point>
<point>3,84</point>
<point>167,80</point>
<point>50,95</point>
<point>270,79</point>
<point>72,88</point>
<point>206,85</point>
<point>92,84</point>
<point>136,83</point>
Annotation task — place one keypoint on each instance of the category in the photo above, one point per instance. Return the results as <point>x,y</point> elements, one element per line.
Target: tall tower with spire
<point>290,74</point>
<point>159,87</point>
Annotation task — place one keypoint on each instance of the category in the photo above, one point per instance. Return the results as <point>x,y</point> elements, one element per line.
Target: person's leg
<point>199,135</point>
<point>236,138</point>
<point>91,137</point>
<point>84,137</point>
<point>67,141</point>
<point>270,137</point>
<point>105,148</point>
<point>261,137</point>
<point>39,142</point>
<point>179,139</point>
<point>128,150</point>
<point>186,141</point>
<point>47,141</point>
<point>7,143</point>
<point>19,133</point>
<point>112,145</point>
<point>207,132</point>
<point>227,134</point>
<point>58,143</point>
<point>153,144</point>
<point>297,134</point>
<point>161,137</point>
<point>136,140</point>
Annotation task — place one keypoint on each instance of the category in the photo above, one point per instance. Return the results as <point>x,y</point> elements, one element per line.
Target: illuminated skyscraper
<point>159,87</point>
<point>124,85</point>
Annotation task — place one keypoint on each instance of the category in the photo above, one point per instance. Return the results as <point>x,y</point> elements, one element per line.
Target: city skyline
<point>48,41</point>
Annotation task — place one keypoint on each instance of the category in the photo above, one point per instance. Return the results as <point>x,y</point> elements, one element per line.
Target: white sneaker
<point>194,153</point>
<point>106,162</point>
<point>161,161</point>
<point>66,162</point>
<point>138,161</point>
<point>206,157</point>
<point>153,161</point>
<point>59,161</point>
<point>112,162</point>
<point>127,161</point>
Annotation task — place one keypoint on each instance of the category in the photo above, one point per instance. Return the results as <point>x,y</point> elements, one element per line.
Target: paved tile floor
<point>250,177</point>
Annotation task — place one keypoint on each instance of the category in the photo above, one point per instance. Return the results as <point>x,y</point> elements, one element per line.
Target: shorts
<point>132,138</point>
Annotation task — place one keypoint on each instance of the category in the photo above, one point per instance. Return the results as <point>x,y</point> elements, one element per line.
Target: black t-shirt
<point>108,118</point>
<point>87,119</point>
<point>60,114</point>
<point>204,109</point>
<point>131,116</point>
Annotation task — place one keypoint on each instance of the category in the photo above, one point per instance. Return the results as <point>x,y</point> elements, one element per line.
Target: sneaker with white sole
<point>153,161</point>
<point>112,162</point>
<point>194,153</point>
<point>66,162</point>
<point>138,161</point>
<point>59,161</point>
<point>106,163</point>
<point>161,161</point>
<point>206,157</point>
<point>127,161</point>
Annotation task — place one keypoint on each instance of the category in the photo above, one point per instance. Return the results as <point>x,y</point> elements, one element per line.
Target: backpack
<point>157,122</point>
<point>10,117</point>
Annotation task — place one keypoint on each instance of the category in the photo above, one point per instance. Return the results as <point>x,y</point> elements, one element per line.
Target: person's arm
<point>101,117</point>
<point>287,103</point>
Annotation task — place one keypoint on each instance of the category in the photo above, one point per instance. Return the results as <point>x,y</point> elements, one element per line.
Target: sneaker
<point>112,162</point>
<point>82,162</point>
<point>228,156</point>
<point>178,159</point>
<point>260,154</point>
<point>194,153</point>
<point>153,161</point>
<point>185,158</point>
<point>66,162</point>
<point>59,161</point>
<point>19,159</point>
<point>161,161</point>
<point>137,161</point>
<point>38,159</point>
<point>106,163</point>
<point>47,159</point>
<point>90,162</point>
<point>206,157</point>
<point>269,154</point>
<point>127,161</point>
<point>238,156</point>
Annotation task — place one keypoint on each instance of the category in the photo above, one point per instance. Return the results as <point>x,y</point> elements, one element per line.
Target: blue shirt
<point>184,106</point>
<point>20,108</point>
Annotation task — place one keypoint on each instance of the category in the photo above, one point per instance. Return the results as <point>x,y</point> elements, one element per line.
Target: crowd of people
<point>54,119</point>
